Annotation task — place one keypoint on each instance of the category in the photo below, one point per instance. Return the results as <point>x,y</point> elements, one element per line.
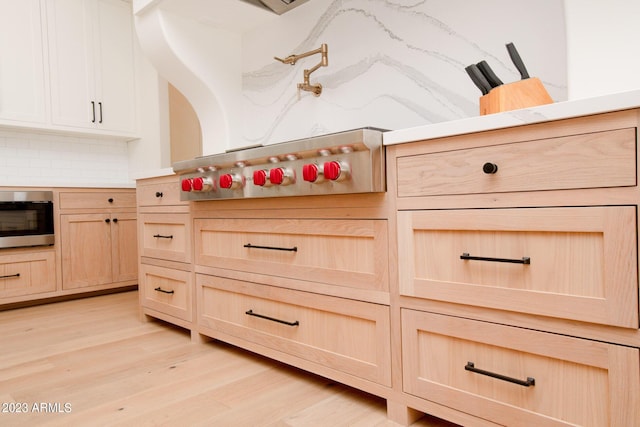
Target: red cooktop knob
<point>332,170</point>
<point>259,177</point>
<point>310,172</point>
<point>198,184</point>
<point>276,176</point>
<point>187,185</point>
<point>231,181</point>
<point>226,180</point>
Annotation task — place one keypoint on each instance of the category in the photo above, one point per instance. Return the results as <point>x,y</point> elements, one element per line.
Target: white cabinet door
<point>71,62</point>
<point>115,75</point>
<point>92,65</point>
<point>22,66</point>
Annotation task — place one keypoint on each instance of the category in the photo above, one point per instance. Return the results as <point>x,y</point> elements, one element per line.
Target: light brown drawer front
<point>582,261</point>
<point>166,290</point>
<point>341,252</point>
<point>166,236</point>
<point>602,159</point>
<point>350,336</point>
<point>98,200</point>
<point>27,274</point>
<point>165,193</point>
<point>577,382</point>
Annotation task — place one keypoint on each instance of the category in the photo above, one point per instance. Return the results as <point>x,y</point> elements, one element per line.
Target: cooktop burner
<point>338,163</point>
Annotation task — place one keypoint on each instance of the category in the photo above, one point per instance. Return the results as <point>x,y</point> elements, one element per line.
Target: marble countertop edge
<point>525,116</point>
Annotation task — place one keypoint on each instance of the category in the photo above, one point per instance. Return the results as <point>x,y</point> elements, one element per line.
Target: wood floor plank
<point>92,362</point>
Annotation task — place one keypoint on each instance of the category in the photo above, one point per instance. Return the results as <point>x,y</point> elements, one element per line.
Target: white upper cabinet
<point>92,65</point>
<point>22,63</point>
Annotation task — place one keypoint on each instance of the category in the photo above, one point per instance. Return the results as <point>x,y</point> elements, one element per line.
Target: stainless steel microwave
<point>26,218</point>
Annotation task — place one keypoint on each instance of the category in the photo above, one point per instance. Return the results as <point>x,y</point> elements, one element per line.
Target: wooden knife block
<point>512,96</point>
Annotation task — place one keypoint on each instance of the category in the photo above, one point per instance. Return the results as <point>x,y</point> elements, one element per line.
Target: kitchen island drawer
<point>570,263</point>
<point>97,200</point>
<point>165,236</point>
<point>167,290</point>
<point>27,273</point>
<point>351,253</point>
<point>599,159</point>
<point>346,335</point>
<point>162,191</point>
<point>519,377</point>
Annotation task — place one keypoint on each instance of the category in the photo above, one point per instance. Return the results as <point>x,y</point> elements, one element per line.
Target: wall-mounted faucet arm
<point>292,59</point>
<point>306,85</point>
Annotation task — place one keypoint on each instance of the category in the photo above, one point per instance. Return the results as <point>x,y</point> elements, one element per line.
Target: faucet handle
<point>291,59</point>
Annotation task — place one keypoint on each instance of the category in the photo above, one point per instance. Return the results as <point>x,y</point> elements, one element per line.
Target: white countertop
<point>525,116</point>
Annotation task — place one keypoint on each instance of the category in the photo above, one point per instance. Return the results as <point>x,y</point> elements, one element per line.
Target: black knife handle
<point>517,61</point>
<point>478,79</point>
<point>488,73</point>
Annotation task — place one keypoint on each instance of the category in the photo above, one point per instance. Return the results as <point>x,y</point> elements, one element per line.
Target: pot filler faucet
<point>306,85</point>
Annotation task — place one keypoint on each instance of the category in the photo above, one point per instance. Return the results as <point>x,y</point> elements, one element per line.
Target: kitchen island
<point>493,283</point>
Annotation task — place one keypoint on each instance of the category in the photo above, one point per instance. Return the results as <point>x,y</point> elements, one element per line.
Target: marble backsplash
<point>392,64</point>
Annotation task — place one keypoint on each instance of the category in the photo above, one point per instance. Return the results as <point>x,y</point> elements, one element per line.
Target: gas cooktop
<point>346,162</point>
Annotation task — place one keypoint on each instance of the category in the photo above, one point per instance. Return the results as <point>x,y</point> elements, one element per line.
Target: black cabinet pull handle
<point>100,107</point>
<point>158,194</point>
<point>160,236</point>
<point>110,200</point>
<point>107,220</point>
<point>10,276</point>
<point>93,109</point>
<point>273,319</point>
<point>523,260</point>
<point>272,248</point>
<point>470,366</point>
<point>115,219</point>
<point>489,168</point>
<point>159,289</point>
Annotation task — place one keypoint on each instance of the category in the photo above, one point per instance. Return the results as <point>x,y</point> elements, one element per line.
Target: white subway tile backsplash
<point>32,159</point>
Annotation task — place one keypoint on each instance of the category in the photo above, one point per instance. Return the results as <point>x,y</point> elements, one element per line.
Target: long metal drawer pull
<point>523,260</point>
<point>159,289</point>
<point>160,236</point>
<point>273,319</point>
<point>470,366</point>
<point>10,276</point>
<point>273,248</point>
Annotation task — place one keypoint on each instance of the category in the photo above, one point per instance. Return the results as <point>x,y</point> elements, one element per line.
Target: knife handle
<point>517,61</point>
<point>478,79</point>
<point>487,71</point>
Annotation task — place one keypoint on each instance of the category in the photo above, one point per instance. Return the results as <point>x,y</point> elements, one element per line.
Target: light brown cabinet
<point>517,272</point>
<point>95,249</point>
<point>98,239</point>
<point>164,240</point>
<point>495,283</point>
<point>167,290</point>
<point>346,335</point>
<point>299,282</point>
<point>27,274</point>
<point>573,263</point>
<point>98,249</point>
<point>340,252</point>
<point>517,376</point>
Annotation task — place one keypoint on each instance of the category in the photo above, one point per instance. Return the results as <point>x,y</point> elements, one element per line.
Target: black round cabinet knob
<point>489,168</point>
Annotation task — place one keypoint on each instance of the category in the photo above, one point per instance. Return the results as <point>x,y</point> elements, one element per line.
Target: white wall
<point>152,151</point>
<point>603,39</point>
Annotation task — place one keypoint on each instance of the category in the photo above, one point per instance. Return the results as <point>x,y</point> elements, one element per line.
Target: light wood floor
<point>92,362</point>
